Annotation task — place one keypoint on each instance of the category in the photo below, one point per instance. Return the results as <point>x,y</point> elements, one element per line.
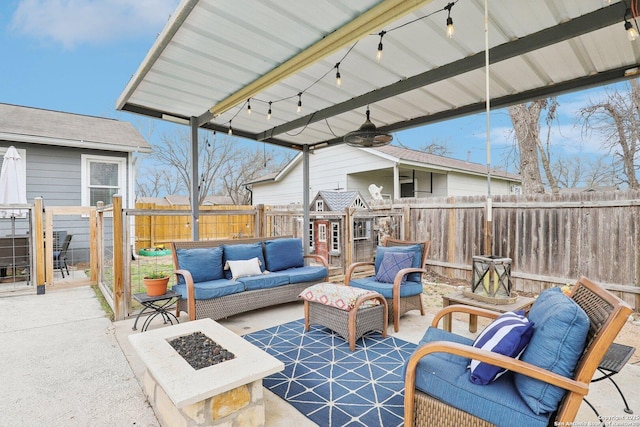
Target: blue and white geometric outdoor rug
<point>331,385</point>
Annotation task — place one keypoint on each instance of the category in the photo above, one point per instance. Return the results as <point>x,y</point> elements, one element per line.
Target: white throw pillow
<point>244,268</point>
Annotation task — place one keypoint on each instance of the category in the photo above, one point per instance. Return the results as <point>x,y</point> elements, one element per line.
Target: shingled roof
<point>336,201</point>
<point>48,127</point>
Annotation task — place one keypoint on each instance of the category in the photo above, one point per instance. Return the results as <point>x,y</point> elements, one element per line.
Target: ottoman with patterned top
<point>350,312</point>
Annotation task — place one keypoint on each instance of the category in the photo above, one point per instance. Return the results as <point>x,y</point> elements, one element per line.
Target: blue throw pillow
<point>509,334</point>
<point>281,254</point>
<point>204,264</point>
<point>416,250</point>
<point>242,251</point>
<point>392,262</point>
<point>560,333</point>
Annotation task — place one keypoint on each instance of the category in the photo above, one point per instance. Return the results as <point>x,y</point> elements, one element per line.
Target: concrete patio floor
<point>66,364</point>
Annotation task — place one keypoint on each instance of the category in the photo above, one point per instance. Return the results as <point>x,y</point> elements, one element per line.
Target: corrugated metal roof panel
<point>211,50</point>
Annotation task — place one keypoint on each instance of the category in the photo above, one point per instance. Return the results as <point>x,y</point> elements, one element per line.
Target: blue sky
<point>77,56</point>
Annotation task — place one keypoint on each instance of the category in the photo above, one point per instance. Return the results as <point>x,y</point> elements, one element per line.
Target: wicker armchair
<point>607,315</point>
<point>398,305</point>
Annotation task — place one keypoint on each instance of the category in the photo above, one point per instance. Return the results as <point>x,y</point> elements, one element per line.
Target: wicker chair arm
<point>459,308</point>
<point>191,295</point>
<point>496,359</point>
<point>351,269</point>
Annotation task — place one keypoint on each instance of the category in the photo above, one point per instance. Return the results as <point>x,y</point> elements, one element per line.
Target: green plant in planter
<point>156,283</point>
<point>156,275</point>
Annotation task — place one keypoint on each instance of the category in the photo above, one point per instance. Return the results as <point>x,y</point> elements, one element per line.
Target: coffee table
<point>521,303</point>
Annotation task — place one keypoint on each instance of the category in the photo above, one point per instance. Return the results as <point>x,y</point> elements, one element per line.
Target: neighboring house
<point>72,160</point>
<point>174,200</point>
<point>401,173</point>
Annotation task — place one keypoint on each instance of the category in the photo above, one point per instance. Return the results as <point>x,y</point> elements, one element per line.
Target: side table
<point>158,305</point>
<point>522,303</point>
<point>613,361</point>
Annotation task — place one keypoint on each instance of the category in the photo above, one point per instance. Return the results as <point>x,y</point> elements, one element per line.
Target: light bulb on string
<point>299,110</point>
<point>632,33</point>
<point>249,106</point>
<point>379,52</point>
<point>230,132</point>
<point>269,112</point>
<point>450,30</point>
<point>338,76</point>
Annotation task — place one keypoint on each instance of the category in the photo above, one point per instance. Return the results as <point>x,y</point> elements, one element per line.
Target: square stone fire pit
<point>228,393</point>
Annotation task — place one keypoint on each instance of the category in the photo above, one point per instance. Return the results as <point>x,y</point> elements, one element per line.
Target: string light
<point>450,29</point>
<point>449,33</point>
<point>632,34</point>
<point>379,52</point>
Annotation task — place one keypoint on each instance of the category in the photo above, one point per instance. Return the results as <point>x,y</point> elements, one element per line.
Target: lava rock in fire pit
<point>200,351</point>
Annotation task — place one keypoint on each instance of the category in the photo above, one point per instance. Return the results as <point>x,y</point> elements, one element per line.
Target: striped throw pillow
<point>509,334</point>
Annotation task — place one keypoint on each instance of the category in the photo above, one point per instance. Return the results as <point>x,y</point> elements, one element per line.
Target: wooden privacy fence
<point>551,240</point>
<point>215,222</point>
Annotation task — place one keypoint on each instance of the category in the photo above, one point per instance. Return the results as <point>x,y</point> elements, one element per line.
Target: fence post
<point>99,243</point>
<point>350,247</point>
<point>38,207</point>
<point>405,233</point>
<point>260,221</point>
<point>93,245</point>
<point>118,248</point>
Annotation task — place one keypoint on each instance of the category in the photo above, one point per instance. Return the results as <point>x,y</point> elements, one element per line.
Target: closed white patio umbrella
<point>13,188</point>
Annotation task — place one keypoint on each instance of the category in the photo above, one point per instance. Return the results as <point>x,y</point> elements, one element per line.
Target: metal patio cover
<point>215,57</point>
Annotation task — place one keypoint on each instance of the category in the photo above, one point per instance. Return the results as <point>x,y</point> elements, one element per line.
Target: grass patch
<point>103,303</point>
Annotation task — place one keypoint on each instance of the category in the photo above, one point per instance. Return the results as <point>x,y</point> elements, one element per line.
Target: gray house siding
<point>54,173</point>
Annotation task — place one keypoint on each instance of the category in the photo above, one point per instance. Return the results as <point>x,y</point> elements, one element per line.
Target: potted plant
<point>156,283</point>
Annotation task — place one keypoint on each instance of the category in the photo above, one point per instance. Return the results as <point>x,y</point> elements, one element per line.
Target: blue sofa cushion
<point>242,251</point>
<point>509,334</point>
<point>407,289</point>
<point>560,333</point>
<point>211,289</point>
<point>446,377</point>
<point>392,263</point>
<point>281,254</point>
<point>310,273</point>
<point>416,250</point>
<point>264,281</point>
<point>204,264</point>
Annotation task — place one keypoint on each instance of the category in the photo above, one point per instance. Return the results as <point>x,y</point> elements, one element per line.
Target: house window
<point>408,188</point>
<point>322,232</point>
<point>335,237</point>
<point>361,229</point>
<point>102,177</point>
<point>319,205</point>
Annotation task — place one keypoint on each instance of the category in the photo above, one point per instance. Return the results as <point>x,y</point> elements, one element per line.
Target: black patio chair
<point>60,256</point>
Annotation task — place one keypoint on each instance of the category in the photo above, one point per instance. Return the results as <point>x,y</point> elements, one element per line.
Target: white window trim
<point>335,237</point>
<point>122,175</point>
<point>322,233</point>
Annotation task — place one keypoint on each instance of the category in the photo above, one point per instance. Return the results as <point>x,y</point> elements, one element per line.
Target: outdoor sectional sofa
<point>221,278</point>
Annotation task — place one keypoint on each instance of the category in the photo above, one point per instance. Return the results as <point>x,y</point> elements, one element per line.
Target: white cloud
<point>76,22</point>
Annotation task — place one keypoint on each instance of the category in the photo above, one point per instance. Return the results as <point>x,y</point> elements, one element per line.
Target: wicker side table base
<point>352,324</point>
